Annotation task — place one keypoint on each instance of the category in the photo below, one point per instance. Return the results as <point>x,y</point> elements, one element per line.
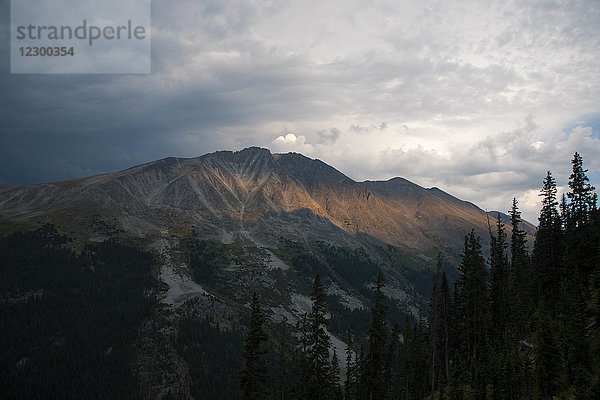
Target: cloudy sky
<point>479,98</point>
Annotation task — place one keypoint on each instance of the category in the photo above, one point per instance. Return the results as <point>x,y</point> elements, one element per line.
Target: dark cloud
<point>476,98</point>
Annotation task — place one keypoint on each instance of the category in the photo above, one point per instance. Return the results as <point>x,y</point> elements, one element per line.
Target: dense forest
<point>69,319</point>
<point>514,325</point>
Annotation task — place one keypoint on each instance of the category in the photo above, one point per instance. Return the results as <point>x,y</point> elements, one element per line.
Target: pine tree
<point>334,373</point>
<point>253,378</point>
<point>472,308</point>
<point>318,345</point>
<point>521,279</point>
<point>499,290</point>
<point>351,365</point>
<point>446,325</point>
<point>302,364</point>
<point>376,358</point>
<point>581,232</point>
<point>548,251</point>
<point>436,329</point>
<point>361,374</point>
<point>581,194</point>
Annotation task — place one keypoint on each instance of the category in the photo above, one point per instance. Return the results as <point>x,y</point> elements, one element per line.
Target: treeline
<point>516,325</point>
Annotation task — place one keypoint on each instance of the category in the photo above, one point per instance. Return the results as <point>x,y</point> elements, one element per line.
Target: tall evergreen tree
<point>334,385</point>
<point>521,280</point>
<point>351,365</point>
<point>472,312</point>
<point>318,345</point>
<point>581,232</point>
<point>581,194</point>
<point>548,249</point>
<point>253,378</point>
<point>499,290</point>
<point>548,253</point>
<point>436,328</point>
<point>446,325</point>
<point>376,358</point>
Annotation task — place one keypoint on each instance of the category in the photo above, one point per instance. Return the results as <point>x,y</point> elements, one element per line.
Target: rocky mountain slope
<point>251,190</point>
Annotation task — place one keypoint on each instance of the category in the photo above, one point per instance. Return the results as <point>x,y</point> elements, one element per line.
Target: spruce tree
<point>253,377</point>
<point>581,232</point>
<point>334,373</point>
<point>318,344</point>
<point>581,194</point>
<point>351,365</point>
<point>548,251</point>
<point>522,282</point>
<point>376,358</point>
<point>446,325</point>
<point>499,290</point>
<point>436,329</point>
<point>472,312</point>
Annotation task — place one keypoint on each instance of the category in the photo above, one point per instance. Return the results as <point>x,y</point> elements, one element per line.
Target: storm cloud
<point>478,98</point>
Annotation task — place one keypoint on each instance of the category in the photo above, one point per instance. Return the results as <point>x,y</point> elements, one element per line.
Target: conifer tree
<point>521,280</point>
<point>318,345</point>
<point>351,365</point>
<point>301,363</point>
<point>376,358</point>
<point>436,329</point>
<point>548,255</point>
<point>446,325</point>
<point>499,290</point>
<point>548,249</point>
<point>472,311</point>
<point>581,232</point>
<point>581,194</point>
<point>361,374</point>
<point>334,373</point>
<point>253,378</point>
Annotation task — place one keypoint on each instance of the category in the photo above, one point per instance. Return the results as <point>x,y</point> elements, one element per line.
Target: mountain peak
<point>220,192</point>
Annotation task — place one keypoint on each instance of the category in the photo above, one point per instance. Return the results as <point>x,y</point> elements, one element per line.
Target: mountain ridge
<point>222,189</point>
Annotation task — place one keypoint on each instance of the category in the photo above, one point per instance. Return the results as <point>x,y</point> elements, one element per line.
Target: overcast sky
<point>479,98</point>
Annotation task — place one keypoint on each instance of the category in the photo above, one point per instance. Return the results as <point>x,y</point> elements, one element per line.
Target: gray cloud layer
<point>478,98</point>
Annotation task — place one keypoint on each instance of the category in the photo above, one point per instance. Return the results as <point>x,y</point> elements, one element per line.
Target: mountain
<point>253,191</point>
<point>184,242</point>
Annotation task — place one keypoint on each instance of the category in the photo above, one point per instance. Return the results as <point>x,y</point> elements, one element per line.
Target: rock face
<point>251,191</point>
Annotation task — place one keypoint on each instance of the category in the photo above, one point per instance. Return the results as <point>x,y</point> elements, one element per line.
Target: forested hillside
<point>69,320</point>
<point>514,325</point>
